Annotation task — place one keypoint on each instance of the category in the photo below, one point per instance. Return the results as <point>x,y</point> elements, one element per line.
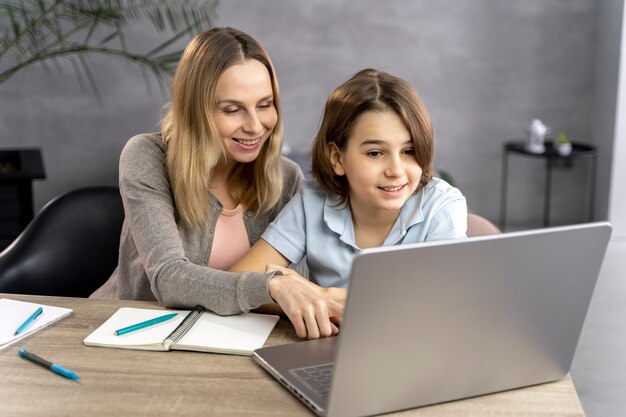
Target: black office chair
<point>69,249</point>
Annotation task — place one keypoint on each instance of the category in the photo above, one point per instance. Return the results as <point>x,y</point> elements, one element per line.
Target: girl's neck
<point>371,227</point>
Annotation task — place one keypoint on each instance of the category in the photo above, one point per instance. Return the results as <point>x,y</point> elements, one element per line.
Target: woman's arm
<point>311,308</point>
<point>174,259</point>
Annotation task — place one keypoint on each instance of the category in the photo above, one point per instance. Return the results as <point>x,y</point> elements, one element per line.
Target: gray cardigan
<point>161,260</point>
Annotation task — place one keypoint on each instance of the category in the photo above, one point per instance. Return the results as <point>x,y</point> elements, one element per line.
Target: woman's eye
<point>230,110</point>
<point>265,106</point>
<point>410,151</point>
<point>374,154</point>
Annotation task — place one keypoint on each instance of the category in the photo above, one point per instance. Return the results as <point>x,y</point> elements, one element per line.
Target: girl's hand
<point>312,309</point>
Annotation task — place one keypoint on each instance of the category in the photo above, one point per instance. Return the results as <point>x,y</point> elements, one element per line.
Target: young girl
<point>198,194</point>
<point>373,162</point>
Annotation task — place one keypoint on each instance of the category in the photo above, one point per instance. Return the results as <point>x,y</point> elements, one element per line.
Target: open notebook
<point>13,313</point>
<point>196,330</point>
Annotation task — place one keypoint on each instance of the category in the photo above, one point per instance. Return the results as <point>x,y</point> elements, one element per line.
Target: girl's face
<point>378,162</point>
<point>244,113</point>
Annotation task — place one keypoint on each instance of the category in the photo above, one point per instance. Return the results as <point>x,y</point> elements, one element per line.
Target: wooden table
<point>142,383</point>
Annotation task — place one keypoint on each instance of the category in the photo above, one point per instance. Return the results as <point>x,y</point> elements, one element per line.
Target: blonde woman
<point>198,194</point>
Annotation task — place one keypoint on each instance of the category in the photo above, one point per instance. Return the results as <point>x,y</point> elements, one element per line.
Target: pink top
<point>230,241</point>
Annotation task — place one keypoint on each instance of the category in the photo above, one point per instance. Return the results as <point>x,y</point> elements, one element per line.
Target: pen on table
<point>57,369</point>
<point>29,321</point>
<point>144,324</point>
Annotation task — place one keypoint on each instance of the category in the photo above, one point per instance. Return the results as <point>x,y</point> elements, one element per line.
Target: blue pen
<point>57,369</point>
<point>144,324</point>
<point>29,321</point>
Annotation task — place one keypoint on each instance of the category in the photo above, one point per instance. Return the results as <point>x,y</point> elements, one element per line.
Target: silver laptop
<point>434,322</point>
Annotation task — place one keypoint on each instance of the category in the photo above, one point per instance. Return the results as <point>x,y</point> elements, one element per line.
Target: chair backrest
<point>69,249</point>
<point>478,226</point>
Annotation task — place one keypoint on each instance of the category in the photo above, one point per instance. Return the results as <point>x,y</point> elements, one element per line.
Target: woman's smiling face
<point>245,114</point>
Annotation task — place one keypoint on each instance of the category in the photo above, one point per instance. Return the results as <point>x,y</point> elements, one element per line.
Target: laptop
<point>440,321</point>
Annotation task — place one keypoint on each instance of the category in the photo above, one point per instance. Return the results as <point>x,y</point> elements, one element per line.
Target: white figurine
<point>537,134</point>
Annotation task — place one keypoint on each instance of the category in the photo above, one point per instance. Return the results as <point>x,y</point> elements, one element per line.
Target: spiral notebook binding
<point>184,326</point>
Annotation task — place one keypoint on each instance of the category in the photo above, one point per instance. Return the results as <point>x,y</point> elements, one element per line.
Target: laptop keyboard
<point>317,377</point>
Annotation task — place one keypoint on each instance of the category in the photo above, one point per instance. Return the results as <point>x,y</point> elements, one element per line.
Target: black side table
<point>553,160</point>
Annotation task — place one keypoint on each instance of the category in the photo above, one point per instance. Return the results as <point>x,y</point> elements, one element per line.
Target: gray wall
<point>607,67</point>
<point>484,68</point>
<point>617,209</point>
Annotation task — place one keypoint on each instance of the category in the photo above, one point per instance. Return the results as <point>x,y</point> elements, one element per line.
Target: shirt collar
<point>410,215</point>
<point>338,218</point>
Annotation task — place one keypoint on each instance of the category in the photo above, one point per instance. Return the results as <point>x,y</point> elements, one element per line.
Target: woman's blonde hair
<point>369,90</point>
<point>188,129</point>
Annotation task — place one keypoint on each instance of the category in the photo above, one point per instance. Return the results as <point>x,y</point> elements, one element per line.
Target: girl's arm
<point>311,308</point>
<point>257,258</point>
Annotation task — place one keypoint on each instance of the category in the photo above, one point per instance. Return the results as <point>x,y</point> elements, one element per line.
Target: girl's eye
<point>230,110</point>
<point>265,106</point>
<point>374,154</point>
<point>410,151</point>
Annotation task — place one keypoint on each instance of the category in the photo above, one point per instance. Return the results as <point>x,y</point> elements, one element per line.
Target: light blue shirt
<point>312,224</point>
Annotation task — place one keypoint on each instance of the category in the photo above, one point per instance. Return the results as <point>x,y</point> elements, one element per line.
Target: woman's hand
<point>313,310</point>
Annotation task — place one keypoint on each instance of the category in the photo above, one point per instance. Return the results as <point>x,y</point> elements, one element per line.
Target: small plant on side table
<point>563,145</point>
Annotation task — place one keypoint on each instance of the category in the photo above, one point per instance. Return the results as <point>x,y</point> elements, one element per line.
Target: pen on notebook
<point>57,369</point>
<point>144,324</point>
<point>29,321</point>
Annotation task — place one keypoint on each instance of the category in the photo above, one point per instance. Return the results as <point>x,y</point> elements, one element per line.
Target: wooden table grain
<point>116,382</point>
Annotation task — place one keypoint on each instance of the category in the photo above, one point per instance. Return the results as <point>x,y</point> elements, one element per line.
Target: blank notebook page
<point>242,332</point>
<point>13,313</point>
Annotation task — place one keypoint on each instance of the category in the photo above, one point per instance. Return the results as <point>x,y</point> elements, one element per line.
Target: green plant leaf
<point>562,138</point>
<point>38,31</point>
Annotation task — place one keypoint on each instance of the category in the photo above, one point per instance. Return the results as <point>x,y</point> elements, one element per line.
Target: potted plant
<point>563,145</point>
<point>58,34</point>
<point>47,31</point>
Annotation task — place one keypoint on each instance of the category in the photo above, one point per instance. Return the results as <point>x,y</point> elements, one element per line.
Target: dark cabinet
<point>18,169</point>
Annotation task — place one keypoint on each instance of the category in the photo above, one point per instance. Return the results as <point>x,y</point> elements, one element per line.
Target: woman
<point>198,194</point>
